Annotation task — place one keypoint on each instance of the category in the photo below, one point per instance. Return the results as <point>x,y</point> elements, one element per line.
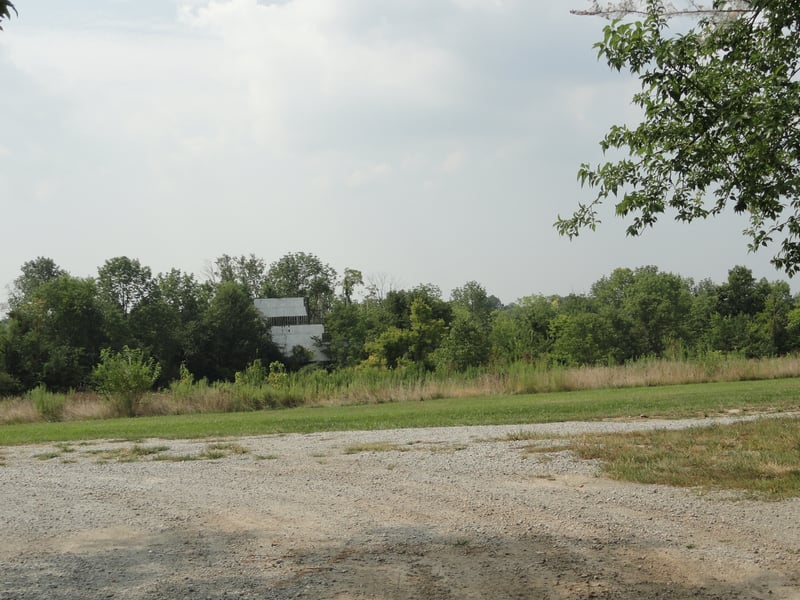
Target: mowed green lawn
<point>665,401</point>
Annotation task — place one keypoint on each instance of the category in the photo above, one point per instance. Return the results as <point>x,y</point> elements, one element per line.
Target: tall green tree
<point>55,336</point>
<point>250,271</point>
<point>174,320</point>
<point>389,348</point>
<point>793,328</point>
<point>35,273</point>
<point>646,308</point>
<point>348,327</point>
<point>167,324</point>
<point>704,306</point>
<point>427,332</point>
<point>397,304</point>
<point>299,274</point>
<point>235,334</point>
<point>466,343</point>
<point>124,282</point>
<point>583,338</point>
<point>125,286</point>
<point>413,344</point>
<point>741,293</point>
<point>520,332</point>
<point>719,127</point>
<point>473,298</point>
<point>9,385</point>
<point>769,332</point>
<point>350,280</point>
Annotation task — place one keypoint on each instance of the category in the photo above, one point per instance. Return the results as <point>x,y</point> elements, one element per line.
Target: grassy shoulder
<point>666,401</point>
<point>760,457</point>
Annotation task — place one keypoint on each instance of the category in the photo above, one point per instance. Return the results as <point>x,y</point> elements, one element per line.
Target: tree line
<point>58,326</point>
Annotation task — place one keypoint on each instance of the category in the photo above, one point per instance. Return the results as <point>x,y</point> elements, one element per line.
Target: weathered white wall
<point>289,336</point>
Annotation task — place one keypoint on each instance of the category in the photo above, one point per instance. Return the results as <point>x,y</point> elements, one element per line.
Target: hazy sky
<point>416,140</point>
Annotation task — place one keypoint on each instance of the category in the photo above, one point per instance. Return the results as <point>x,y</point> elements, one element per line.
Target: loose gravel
<point>459,512</point>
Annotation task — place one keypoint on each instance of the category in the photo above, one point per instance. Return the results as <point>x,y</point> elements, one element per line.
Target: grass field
<point>665,401</point>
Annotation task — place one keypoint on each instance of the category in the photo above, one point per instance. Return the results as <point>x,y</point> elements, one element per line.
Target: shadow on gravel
<point>390,564</point>
<point>174,564</point>
<point>530,566</point>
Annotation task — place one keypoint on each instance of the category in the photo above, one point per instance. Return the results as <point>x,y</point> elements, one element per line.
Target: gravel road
<point>440,513</point>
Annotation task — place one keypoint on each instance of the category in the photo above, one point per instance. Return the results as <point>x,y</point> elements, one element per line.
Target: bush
<point>277,375</point>
<point>183,387</point>
<point>124,377</point>
<point>255,375</point>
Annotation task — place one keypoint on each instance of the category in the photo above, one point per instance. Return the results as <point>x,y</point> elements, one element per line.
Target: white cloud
<point>307,76</point>
<point>368,174</point>
<point>454,161</point>
<point>456,125</point>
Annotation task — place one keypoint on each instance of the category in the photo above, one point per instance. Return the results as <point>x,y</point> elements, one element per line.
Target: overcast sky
<point>416,140</point>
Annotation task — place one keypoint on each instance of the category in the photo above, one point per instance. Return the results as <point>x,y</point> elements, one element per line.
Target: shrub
<point>277,375</point>
<point>255,374</point>
<point>124,377</point>
<point>183,387</point>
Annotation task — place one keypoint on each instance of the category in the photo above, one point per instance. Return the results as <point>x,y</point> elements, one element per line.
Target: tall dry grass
<point>354,386</point>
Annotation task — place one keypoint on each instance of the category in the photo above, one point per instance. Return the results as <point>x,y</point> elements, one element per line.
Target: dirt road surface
<point>409,514</point>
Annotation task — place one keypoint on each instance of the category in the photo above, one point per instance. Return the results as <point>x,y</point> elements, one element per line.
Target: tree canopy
<point>35,273</point>
<point>303,275</point>
<point>720,105</point>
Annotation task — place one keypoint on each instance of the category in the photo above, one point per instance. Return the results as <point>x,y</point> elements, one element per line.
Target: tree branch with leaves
<point>720,109</point>
<point>627,8</point>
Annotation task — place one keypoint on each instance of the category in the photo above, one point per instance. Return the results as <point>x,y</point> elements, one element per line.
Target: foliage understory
<point>355,386</point>
<point>671,401</point>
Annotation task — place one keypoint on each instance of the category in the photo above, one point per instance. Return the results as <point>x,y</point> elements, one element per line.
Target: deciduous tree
<point>35,273</point>
<point>235,334</point>
<point>250,271</point>
<point>124,282</point>
<point>646,308</point>
<point>348,326</point>
<point>303,275</point>
<point>520,332</point>
<point>581,338</point>
<point>720,106</point>
<point>54,337</point>
<point>472,296</point>
<point>172,322</point>
<point>351,279</point>
<point>466,343</point>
